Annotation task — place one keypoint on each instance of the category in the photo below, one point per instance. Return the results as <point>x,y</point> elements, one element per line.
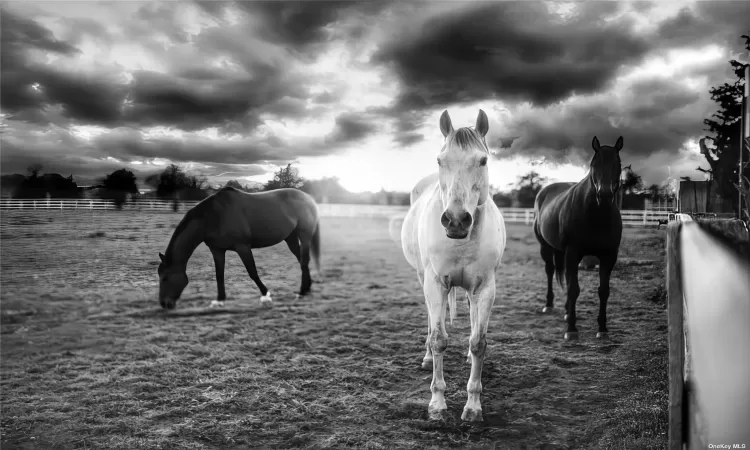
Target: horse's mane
<point>177,231</point>
<point>466,139</point>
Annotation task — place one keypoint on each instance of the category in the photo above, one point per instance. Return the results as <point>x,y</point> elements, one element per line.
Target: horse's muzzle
<point>167,303</point>
<point>604,199</point>
<point>456,226</point>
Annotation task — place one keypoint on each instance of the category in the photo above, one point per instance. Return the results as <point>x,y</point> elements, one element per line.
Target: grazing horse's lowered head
<point>605,171</point>
<point>463,176</point>
<point>172,281</point>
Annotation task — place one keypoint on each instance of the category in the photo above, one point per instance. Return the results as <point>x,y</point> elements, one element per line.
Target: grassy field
<point>90,360</point>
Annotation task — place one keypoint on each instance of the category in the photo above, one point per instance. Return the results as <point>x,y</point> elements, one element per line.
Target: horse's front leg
<point>572,259</point>
<point>246,255</point>
<point>219,256</point>
<point>427,360</point>
<point>606,264</point>
<point>479,314</point>
<point>436,297</point>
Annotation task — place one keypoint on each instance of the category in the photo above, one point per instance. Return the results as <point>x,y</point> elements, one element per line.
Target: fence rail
<point>513,215</point>
<point>708,310</point>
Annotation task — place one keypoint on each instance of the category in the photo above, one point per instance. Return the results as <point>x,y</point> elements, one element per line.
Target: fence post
<point>675,333</point>
<point>526,216</point>
<point>645,215</point>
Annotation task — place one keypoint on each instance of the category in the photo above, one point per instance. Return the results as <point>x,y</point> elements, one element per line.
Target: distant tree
<point>528,186</point>
<point>285,177</point>
<point>724,126</point>
<point>326,190</point>
<point>632,183</point>
<point>235,184</point>
<point>53,185</point>
<point>654,192</point>
<point>175,184</point>
<point>117,185</point>
<point>503,200</point>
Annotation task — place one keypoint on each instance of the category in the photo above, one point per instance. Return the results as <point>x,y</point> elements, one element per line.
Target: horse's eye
<point>483,161</point>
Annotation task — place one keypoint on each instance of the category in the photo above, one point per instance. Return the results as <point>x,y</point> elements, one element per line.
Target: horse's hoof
<point>547,310</point>
<point>603,335</point>
<point>437,414</point>
<point>216,304</point>
<point>472,415</point>
<point>427,364</point>
<point>266,298</point>
<point>571,335</point>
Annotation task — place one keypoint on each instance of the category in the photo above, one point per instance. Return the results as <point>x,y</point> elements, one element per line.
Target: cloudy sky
<point>232,90</point>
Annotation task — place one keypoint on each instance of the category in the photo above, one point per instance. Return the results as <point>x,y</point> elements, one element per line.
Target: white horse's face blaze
<point>171,284</point>
<point>463,175</point>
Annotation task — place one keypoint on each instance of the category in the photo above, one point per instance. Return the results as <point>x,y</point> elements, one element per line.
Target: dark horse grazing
<point>238,221</point>
<point>574,220</point>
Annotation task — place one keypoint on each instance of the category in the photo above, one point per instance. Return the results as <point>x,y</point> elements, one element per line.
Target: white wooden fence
<point>708,309</point>
<point>513,215</point>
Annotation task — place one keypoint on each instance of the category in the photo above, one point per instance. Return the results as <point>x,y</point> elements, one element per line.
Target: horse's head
<point>605,171</point>
<point>464,180</point>
<point>172,281</point>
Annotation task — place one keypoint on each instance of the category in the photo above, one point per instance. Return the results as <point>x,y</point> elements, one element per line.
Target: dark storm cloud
<point>660,116</point>
<point>304,23</point>
<point>350,127</point>
<point>191,96</point>
<point>160,99</point>
<point>129,144</point>
<point>717,22</point>
<point>515,51</point>
<point>28,87</point>
<point>406,139</point>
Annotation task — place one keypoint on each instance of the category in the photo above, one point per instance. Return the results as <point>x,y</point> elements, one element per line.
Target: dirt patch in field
<point>90,360</point>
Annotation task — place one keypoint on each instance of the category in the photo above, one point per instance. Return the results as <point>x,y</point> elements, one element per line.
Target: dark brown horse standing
<point>234,220</point>
<point>574,220</point>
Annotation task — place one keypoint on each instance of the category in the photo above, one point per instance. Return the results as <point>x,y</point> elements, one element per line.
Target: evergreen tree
<point>724,126</point>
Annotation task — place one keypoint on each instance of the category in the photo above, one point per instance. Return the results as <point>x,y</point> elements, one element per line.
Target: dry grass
<point>89,360</point>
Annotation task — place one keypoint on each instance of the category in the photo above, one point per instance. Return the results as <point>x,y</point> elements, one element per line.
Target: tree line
<point>176,184</point>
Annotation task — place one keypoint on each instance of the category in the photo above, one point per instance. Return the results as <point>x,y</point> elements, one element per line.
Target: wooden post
<point>645,215</point>
<point>676,338</point>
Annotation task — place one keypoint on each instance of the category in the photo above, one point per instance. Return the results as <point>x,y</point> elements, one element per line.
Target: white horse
<point>454,236</point>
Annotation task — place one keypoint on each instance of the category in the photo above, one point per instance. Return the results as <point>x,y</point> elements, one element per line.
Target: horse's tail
<point>394,228</point>
<point>315,248</point>
<point>452,303</point>
<point>560,268</point>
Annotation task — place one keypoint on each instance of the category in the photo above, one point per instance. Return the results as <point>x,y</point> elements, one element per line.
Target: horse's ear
<point>483,124</point>
<point>618,145</point>
<point>446,127</point>
<point>161,257</point>
<point>595,144</point>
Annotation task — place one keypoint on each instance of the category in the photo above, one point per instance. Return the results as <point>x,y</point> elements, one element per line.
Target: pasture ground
<point>90,360</point>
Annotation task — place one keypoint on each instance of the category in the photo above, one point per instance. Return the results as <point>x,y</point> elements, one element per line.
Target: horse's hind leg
<point>548,255</point>
<point>292,241</point>
<point>246,255</point>
<point>219,256</point>
<point>304,262</point>
<point>572,258</point>
<point>606,264</point>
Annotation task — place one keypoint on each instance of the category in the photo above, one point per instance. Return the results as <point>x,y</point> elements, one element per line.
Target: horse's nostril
<point>445,220</point>
<point>466,220</point>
